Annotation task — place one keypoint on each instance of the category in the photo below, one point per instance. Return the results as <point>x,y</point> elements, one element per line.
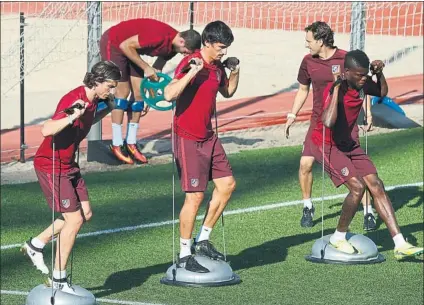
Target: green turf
<point>266,248</point>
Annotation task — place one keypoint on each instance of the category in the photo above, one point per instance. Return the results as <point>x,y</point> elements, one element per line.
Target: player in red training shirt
<point>66,129</point>
<point>123,44</point>
<point>317,68</point>
<point>199,154</point>
<point>344,160</point>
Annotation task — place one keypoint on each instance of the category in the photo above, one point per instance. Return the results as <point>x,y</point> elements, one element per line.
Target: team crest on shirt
<point>194,182</point>
<point>66,203</point>
<point>345,171</point>
<point>335,69</point>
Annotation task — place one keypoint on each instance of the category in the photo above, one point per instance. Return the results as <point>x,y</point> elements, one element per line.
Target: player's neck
<point>205,56</point>
<point>91,94</point>
<point>327,53</point>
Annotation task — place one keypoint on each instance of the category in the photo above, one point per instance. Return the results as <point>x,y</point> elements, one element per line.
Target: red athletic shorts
<point>70,190</point>
<point>127,67</point>
<point>341,166</point>
<point>200,162</point>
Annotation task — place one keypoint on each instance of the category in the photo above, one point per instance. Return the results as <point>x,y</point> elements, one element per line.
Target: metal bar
<point>22,85</point>
<point>358,28</point>
<point>94,18</point>
<point>191,15</point>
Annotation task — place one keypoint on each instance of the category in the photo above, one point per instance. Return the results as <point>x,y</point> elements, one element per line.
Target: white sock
<point>204,234</point>
<point>132,133</point>
<point>37,243</point>
<point>57,274</point>
<point>368,210</point>
<point>307,203</point>
<point>185,245</point>
<point>337,236</point>
<point>399,240</point>
<point>117,135</point>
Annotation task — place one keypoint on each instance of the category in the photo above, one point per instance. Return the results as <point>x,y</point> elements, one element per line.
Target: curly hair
<point>322,31</point>
<point>101,72</point>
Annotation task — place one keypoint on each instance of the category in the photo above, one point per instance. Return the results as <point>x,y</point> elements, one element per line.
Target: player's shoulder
<point>73,95</point>
<point>307,57</point>
<point>189,57</point>
<point>341,53</point>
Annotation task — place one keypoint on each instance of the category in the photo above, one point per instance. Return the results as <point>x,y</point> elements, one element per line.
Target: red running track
<point>387,18</point>
<point>232,115</point>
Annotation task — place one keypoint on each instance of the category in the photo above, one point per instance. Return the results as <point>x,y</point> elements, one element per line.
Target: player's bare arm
<point>53,127</point>
<point>177,86</point>
<point>377,67</point>
<point>367,110</point>
<point>233,80</point>
<point>299,101</point>
<point>129,48</point>
<point>329,115</point>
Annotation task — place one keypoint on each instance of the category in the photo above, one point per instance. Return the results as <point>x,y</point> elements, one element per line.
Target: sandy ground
<point>233,142</point>
<point>56,62</point>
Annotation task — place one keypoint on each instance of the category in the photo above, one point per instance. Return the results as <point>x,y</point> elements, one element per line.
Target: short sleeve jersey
<point>155,37</point>
<point>197,102</point>
<point>349,106</point>
<point>66,141</point>
<point>319,72</point>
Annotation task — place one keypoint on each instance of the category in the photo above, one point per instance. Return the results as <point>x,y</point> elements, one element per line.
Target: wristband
<point>291,115</point>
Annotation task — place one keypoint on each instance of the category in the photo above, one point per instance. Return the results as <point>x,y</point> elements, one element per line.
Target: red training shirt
<point>197,102</point>
<point>66,141</point>
<point>155,37</point>
<point>349,107</point>
<point>318,72</point>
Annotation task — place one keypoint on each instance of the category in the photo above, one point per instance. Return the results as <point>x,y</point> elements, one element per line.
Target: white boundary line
<point>233,212</point>
<point>110,301</point>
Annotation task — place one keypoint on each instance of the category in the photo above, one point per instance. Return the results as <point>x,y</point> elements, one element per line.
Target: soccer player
<point>67,128</point>
<point>344,160</point>
<point>123,44</point>
<point>317,68</point>
<point>199,154</point>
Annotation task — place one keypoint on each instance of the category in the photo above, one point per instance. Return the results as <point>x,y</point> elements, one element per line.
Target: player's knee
<point>137,106</point>
<point>121,104</point>
<point>376,185</point>
<point>74,219</point>
<point>357,187</point>
<point>306,165</point>
<point>195,198</point>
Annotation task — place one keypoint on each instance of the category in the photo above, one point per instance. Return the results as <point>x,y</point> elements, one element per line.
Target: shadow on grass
<point>270,252</point>
<point>125,280</point>
<point>399,197</point>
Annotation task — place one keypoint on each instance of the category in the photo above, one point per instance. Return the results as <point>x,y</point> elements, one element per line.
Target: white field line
<point>233,212</point>
<point>110,301</point>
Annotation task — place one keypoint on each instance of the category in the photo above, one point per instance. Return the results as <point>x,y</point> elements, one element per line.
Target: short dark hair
<point>217,32</point>
<point>356,59</point>
<point>192,39</point>
<point>322,31</point>
<point>101,72</point>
